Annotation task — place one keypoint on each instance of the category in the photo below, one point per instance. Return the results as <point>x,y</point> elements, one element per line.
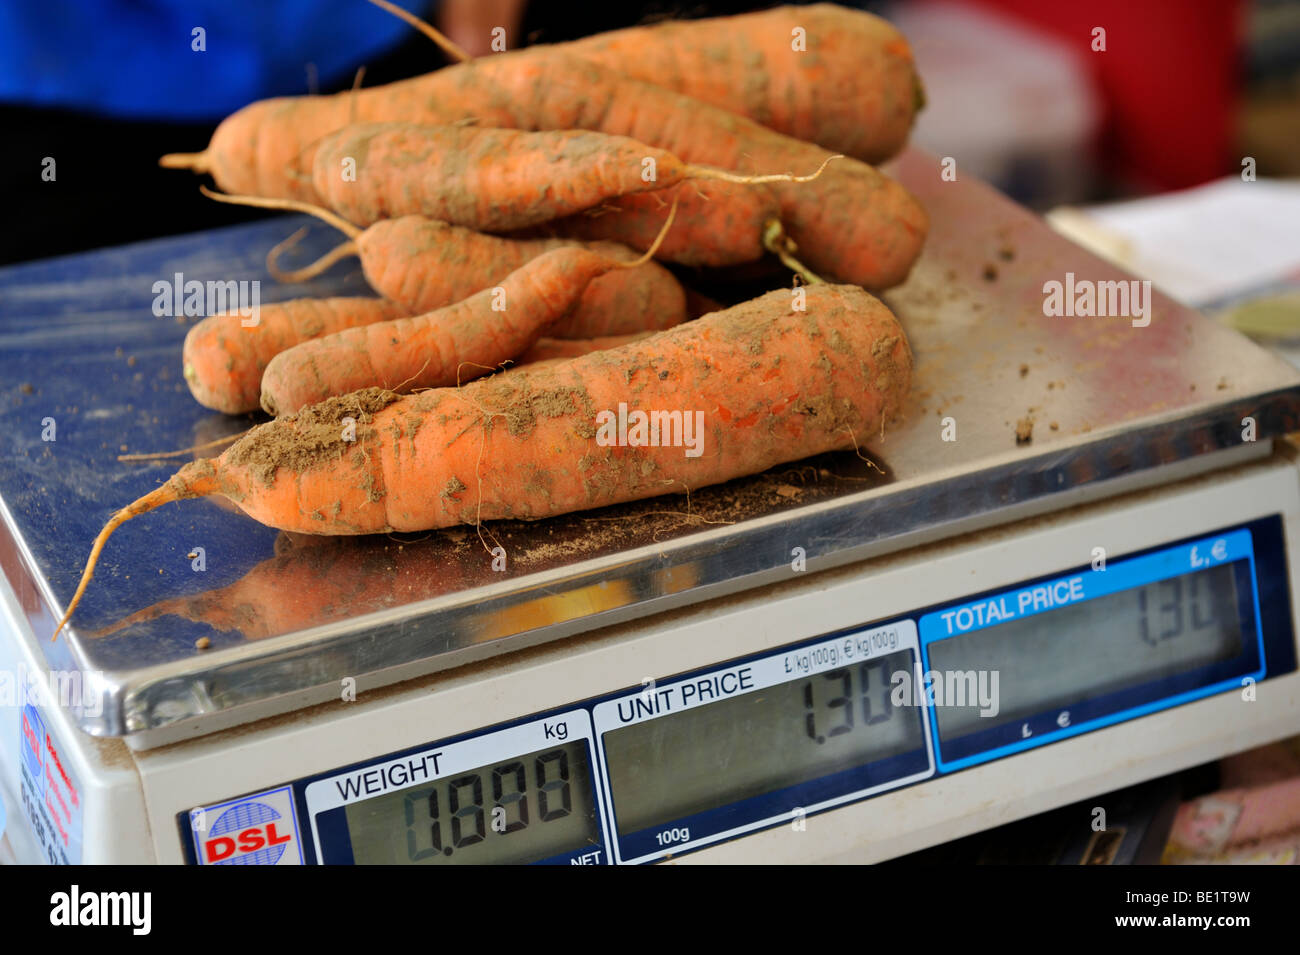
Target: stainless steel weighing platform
<point>1113,408</point>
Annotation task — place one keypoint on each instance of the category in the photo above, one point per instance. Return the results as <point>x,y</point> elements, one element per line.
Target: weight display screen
<point>768,739</point>
<point>1099,646</point>
<point>514,811</point>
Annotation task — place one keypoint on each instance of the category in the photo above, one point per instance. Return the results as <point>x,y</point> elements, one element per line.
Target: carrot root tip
<point>196,479</point>
<point>196,161</point>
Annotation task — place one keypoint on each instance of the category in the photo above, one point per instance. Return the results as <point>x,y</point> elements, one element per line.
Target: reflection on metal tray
<point>1107,406</point>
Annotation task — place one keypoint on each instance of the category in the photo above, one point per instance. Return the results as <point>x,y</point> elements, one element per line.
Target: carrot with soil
<point>445,347</point>
<point>852,223</point>
<point>423,264</point>
<point>843,79</point>
<point>224,358</point>
<point>494,180</point>
<point>564,349</point>
<point>772,384</point>
<point>718,223</point>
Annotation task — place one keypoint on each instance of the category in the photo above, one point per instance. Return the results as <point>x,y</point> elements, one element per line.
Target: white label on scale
<point>438,761</point>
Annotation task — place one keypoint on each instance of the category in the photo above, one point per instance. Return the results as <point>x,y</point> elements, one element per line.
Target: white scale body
<point>713,692</point>
<point>133,799</point>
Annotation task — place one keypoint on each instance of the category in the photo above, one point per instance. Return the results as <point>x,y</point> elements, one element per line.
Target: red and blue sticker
<point>51,795</point>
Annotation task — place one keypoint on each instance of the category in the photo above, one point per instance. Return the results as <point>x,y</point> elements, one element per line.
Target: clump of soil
<point>313,435</point>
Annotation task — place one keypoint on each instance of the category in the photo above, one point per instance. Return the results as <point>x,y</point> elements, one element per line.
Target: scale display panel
<point>522,794</point>
<point>674,766</point>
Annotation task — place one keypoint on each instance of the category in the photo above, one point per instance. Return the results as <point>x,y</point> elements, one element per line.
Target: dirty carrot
<point>843,79</point>
<point>495,180</point>
<point>758,385</point>
<point>718,223</point>
<point>562,349</point>
<point>224,356</point>
<point>453,344</point>
<point>423,264</point>
<point>852,224</point>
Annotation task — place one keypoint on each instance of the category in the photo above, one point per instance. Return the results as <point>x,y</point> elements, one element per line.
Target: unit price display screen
<point>742,746</point>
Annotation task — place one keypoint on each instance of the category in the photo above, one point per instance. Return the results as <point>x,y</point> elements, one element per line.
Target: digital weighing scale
<point>747,676</point>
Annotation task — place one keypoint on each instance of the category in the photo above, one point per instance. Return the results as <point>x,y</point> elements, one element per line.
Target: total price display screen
<point>1099,646</point>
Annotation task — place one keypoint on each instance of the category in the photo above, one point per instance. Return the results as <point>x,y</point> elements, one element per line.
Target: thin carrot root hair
<point>708,172</point>
<point>307,272</point>
<point>444,43</point>
<point>287,205</point>
<point>284,245</point>
<point>659,240</point>
<point>196,479</point>
<point>205,446</point>
<point>491,369</point>
<point>782,246</point>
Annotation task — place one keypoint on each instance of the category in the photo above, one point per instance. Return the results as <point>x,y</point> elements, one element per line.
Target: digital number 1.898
<point>467,814</point>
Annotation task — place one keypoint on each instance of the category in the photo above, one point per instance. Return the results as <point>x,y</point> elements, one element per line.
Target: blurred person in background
<point>105,87</point>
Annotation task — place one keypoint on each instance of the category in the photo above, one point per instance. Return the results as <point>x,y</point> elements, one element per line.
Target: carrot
<point>718,223</point>
<point>771,383</point>
<point>444,347</point>
<point>493,180</point>
<point>563,349</point>
<point>224,358</point>
<point>423,264</point>
<point>852,223</point>
<point>852,89</point>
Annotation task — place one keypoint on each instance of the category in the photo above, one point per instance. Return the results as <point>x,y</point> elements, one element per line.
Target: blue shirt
<point>138,60</point>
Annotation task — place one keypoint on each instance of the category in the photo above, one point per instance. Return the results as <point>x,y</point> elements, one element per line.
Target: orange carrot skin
<point>851,223</point>
<point>458,343</point>
<point>562,349</point>
<point>492,180</point>
<point>224,359</point>
<point>423,264</point>
<point>774,385</point>
<point>852,90</point>
<point>718,223</point>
